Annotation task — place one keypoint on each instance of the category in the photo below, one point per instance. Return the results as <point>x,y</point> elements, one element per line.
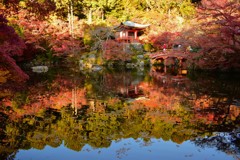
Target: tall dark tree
<point>221,27</point>
<point>11,45</point>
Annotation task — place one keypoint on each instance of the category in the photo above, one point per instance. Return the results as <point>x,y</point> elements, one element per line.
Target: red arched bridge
<point>163,56</point>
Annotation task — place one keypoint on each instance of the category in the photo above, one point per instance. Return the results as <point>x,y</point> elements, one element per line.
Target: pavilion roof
<point>131,25</point>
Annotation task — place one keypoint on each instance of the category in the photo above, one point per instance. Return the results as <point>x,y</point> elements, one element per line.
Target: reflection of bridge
<point>167,78</point>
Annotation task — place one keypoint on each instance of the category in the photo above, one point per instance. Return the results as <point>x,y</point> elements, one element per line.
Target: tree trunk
<point>103,15</point>
<point>90,16</point>
<point>72,18</point>
<point>69,20</point>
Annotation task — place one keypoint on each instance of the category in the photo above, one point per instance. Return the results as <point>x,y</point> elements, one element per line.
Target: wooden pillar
<point>126,36</point>
<point>135,34</point>
<point>153,61</point>
<point>165,66</point>
<point>180,62</point>
<point>179,70</point>
<point>135,89</point>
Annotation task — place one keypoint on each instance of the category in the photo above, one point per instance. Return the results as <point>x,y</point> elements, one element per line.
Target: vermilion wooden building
<point>129,32</point>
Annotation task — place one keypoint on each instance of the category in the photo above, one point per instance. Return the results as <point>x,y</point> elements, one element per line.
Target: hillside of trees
<point>51,30</point>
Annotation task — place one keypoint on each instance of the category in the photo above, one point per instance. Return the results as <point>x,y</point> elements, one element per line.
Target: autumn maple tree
<point>220,41</point>
<point>165,38</point>
<point>11,45</point>
<point>114,51</point>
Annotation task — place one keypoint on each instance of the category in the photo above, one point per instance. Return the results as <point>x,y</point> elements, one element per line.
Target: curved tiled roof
<point>131,25</point>
<point>136,25</point>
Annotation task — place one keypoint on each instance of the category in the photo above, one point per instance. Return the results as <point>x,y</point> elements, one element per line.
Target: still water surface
<point>123,114</point>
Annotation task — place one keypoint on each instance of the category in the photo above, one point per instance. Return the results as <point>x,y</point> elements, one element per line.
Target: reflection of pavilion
<point>123,85</point>
<point>130,88</point>
<point>131,91</point>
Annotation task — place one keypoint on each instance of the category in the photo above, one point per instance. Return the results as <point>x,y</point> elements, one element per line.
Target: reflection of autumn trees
<point>214,99</point>
<point>168,108</point>
<point>53,127</point>
<point>95,129</point>
<point>63,90</point>
<point>54,92</point>
<point>209,97</point>
<point>222,142</point>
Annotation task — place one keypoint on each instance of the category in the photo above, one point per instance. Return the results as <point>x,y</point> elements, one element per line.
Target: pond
<point>121,114</point>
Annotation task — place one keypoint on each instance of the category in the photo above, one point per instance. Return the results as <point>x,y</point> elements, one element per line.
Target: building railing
<point>128,39</point>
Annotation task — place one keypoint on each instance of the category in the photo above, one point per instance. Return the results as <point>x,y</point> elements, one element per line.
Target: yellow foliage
<point>4,76</point>
<point>22,4</point>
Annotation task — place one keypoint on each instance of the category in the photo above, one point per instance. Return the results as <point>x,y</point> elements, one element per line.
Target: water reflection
<point>107,111</point>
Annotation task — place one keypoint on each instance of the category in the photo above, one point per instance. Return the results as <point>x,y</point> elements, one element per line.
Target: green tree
<point>171,6</point>
<point>67,5</point>
<point>99,9</point>
<point>89,7</point>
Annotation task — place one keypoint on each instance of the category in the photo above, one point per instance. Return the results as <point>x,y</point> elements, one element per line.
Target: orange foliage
<point>52,33</point>
<point>166,38</point>
<point>114,50</point>
<point>220,43</point>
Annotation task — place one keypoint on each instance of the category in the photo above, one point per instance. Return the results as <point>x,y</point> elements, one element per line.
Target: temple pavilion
<point>129,32</point>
